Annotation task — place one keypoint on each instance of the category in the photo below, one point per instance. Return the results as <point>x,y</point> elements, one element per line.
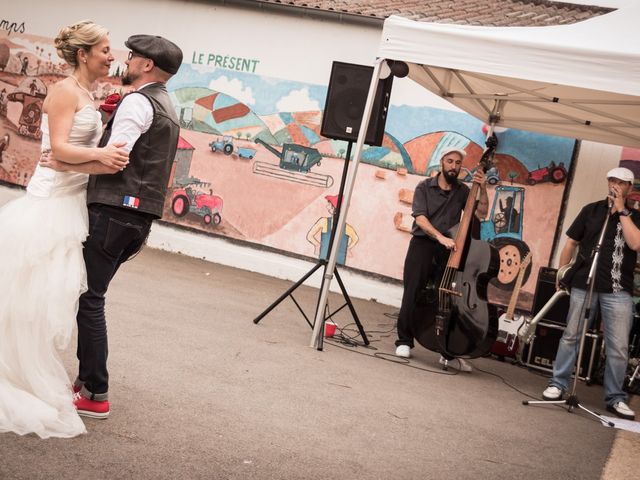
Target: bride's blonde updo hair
<point>81,35</point>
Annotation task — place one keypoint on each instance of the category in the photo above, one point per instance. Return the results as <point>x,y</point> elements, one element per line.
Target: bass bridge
<point>451,292</point>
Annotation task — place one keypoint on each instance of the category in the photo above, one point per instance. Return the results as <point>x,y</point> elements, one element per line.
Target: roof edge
<point>291,9</point>
<point>576,6</point>
<point>294,8</point>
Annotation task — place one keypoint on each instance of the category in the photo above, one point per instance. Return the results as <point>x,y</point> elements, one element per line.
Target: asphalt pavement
<point>199,391</point>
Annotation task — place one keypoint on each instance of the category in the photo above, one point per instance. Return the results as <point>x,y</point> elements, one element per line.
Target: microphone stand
<point>572,401</point>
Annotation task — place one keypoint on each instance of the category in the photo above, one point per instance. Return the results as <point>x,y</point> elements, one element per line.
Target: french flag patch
<point>131,202</point>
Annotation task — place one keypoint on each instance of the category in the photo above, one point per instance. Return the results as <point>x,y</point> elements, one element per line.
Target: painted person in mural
<point>320,233</point>
<point>43,270</point>
<point>4,145</point>
<point>612,289</point>
<point>437,206</point>
<point>123,206</point>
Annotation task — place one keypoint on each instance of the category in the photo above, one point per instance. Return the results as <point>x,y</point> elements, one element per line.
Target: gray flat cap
<point>165,54</point>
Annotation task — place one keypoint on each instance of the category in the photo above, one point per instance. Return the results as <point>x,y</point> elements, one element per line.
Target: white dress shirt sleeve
<point>133,118</point>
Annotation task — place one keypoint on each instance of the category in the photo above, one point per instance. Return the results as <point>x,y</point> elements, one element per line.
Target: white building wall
<point>589,182</point>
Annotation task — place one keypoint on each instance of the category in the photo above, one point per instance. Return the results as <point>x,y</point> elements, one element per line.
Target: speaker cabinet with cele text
<point>346,97</point>
<point>540,353</point>
<point>545,288</point>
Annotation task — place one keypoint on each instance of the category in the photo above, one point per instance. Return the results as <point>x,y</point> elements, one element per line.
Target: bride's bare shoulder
<point>63,91</point>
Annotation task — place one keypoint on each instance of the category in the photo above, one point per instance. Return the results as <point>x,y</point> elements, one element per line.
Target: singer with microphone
<point>612,289</point>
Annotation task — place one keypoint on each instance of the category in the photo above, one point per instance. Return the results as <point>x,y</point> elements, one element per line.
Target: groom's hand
<point>47,160</point>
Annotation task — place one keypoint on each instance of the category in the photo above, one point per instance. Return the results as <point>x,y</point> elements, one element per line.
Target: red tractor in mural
<point>553,173</point>
<point>190,198</point>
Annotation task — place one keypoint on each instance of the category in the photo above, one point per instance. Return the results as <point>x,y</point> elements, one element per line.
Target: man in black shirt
<point>437,205</point>
<point>612,289</point>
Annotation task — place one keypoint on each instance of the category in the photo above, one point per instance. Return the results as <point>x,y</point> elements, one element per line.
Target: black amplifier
<point>545,288</point>
<point>540,353</point>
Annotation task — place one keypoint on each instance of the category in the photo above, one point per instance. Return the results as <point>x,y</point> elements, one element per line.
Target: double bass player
<point>437,206</point>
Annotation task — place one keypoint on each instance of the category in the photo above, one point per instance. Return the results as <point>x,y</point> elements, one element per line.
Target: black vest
<point>142,185</point>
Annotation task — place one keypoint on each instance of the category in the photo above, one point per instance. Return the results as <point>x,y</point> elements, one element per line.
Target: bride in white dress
<point>43,270</point>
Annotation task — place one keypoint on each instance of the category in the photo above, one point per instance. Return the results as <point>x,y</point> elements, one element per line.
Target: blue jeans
<point>617,319</point>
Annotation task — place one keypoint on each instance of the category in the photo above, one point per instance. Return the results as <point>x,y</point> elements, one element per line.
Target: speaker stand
<point>322,263</point>
<point>572,401</point>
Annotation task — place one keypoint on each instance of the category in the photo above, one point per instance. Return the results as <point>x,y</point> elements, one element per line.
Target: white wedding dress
<point>43,274</point>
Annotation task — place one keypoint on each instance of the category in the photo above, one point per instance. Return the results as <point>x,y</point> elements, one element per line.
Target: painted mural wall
<point>252,164</point>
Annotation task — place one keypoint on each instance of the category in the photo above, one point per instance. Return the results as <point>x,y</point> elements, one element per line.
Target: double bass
<point>454,316</point>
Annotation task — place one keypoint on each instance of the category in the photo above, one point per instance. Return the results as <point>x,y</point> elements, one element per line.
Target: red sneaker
<point>76,388</point>
<point>91,408</point>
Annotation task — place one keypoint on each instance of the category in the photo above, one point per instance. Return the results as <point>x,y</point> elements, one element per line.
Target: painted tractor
<point>30,93</point>
<point>294,157</point>
<point>492,175</point>
<point>503,229</point>
<point>189,198</point>
<point>553,173</point>
<point>31,116</point>
<point>224,144</point>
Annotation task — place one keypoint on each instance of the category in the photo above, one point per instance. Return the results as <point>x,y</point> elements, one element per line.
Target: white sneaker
<point>403,351</point>
<point>622,410</point>
<point>464,366</point>
<point>552,393</point>
<point>458,363</point>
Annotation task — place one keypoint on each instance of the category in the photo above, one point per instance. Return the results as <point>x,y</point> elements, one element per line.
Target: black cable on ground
<point>349,342</point>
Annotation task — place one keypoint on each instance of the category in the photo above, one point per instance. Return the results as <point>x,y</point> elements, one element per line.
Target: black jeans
<point>115,235</point>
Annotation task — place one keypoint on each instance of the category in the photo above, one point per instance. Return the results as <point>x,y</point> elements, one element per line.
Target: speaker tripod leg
<point>289,292</point>
<point>351,308</point>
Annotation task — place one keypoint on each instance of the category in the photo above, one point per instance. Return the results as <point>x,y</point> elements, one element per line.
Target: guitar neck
<point>514,298</point>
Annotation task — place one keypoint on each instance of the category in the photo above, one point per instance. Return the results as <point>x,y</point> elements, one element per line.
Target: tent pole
<point>318,325</point>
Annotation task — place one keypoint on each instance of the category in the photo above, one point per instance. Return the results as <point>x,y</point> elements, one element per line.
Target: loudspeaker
<point>545,288</point>
<point>541,352</point>
<point>344,105</point>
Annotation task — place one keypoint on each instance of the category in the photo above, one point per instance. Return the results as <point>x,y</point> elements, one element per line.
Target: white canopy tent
<point>580,81</point>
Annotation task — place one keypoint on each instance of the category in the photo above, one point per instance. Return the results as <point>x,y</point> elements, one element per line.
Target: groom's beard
<point>129,78</point>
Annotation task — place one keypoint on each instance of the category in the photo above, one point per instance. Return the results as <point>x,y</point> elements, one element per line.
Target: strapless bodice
<point>85,132</point>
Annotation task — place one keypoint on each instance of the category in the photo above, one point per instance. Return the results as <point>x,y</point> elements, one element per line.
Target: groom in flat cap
<point>123,205</point>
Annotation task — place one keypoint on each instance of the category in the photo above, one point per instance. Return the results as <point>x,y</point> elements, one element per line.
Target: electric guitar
<point>506,344</point>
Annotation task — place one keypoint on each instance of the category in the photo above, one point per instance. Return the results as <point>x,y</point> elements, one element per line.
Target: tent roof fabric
<point>470,12</point>
<point>580,80</point>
